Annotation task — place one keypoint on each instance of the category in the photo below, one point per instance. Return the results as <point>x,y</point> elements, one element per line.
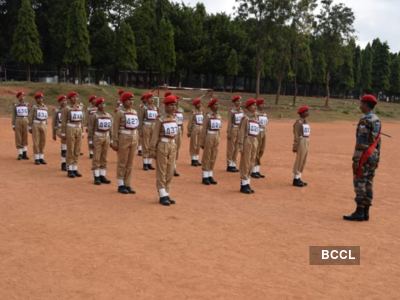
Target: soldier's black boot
<point>122,190</point>
<point>63,166</point>
<point>103,179</point>
<point>358,215</point>
<point>71,174</point>
<point>130,190</point>
<point>19,157</point>
<point>139,153</point>
<point>24,156</point>
<point>176,174</point>
<point>260,175</point>
<point>164,201</point>
<point>91,156</point>
<point>150,167</point>
<point>254,175</point>
<point>37,162</point>
<point>230,169</point>
<point>197,162</point>
<point>170,200</point>
<point>251,190</point>
<point>304,183</point>
<point>205,181</point>
<point>145,167</point>
<point>245,189</point>
<point>97,180</point>
<point>194,164</point>
<point>42,161</point>
<point>63,153</point>
<point>296,182</point>
<point>77,174</point>
<point>211,180</point>
<point>366,212</point>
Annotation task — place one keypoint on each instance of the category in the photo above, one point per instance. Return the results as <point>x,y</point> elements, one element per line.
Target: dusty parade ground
<point>64,238</point>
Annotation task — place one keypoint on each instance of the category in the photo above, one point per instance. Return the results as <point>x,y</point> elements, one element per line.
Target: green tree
<point>395,75</point>
<point>126,50</point>
<point>232,65</point>
<point>319,66</point>
<point>26,48</point>
<point>305,65</point>
<point>347,74</point>
<point>380,65</point>
<point>357,64</point>
<point>166,49</point>
<point>77,41</point>
<point>366,68</point>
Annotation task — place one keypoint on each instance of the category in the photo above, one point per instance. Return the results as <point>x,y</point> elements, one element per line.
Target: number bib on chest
<point>104,124</point>
<point>238,117</point>
<point>41,114</point>
<point>199,119</point>
<point>59,116</point>
<point>76,116</point>
<point>263,120</point>
<point>151,114</point>
<point>215,124</point>
<point>131,121</point>
<point>180,118</point>
<point>22,111</point>
<point>254,128</point>
<point>170,129</point>
<point>306,130</point>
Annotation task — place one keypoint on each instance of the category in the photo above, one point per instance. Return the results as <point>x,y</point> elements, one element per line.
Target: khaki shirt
<point>94,124</point>
<point>88,112</point>
<point>120,123</point>
<point>180,110</point>
<point>33,115</point>
<point>207,126</point>
<point>143,115</point>
<point>192,119</point>
<point>244,127</point>
<point>231,118</point>
<point>66,117</point>
<point>14,112</point>
<point>261,113</point>
<point>159,131</point>
<point>56,119</point>
<point>298,132</point>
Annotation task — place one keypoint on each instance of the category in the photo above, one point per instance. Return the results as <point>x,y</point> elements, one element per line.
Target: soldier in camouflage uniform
<point>365,158</point>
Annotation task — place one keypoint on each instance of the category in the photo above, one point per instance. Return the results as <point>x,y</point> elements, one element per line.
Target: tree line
<point>280,42</point>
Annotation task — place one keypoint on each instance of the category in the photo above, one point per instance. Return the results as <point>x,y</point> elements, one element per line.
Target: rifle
<point>389,136</point>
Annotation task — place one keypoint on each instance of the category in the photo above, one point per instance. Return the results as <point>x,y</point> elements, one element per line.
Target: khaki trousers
<point>100,152</point>
<point>74,142</point>
<point>248,159</point>
<point>301,157</point>
<point>39,137</point>
<point>232,148</point>
<point>261,138</point>
<point>127,146</point>
<point>210,152</point>
<point>194,141</point>
<point>178,141</point>
<point>165,165</point>
<point>21,132</point>
<point>147,133</point>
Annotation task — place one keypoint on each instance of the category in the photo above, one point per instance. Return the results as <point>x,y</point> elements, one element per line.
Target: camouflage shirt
<point>367,131</point>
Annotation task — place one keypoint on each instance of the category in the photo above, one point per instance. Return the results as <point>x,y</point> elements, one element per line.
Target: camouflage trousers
<point>363,186</point>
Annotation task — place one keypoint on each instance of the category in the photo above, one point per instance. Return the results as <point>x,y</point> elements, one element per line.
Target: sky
<point>373,18</point>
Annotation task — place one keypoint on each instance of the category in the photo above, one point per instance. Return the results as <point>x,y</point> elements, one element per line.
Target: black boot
<point>24,156</point>
<point>366,212</point>
<point>194,164</point>
<point>211,180</point>
<point>304,183</point>
<point>19,157</point>
<point>145,167</point>
<point>77,174</point>
<point>176,174</point>
<point>296,182</point>
<point>130,191</point>
<point>170,200</point>
<point>150,167</point>
<point>122,190</point>
<point>37,162</point>
<point>197,162</point>
<point>205,181</point>
<point>260,175</point>
<point>358,215</point>
<point>42,161</point>
<point>139,153</point>
<point>63,153</point>
<point>254,175</point>
<point>230,169</point>
<point>103,179</point>
<point>235,170</point>
<point>97,180</point>
<point>164,201</point>
<point>91,156</point>
<point>71,174</point>
<point>245,189</point>
<point>251,190</point>
<point>63,166</point>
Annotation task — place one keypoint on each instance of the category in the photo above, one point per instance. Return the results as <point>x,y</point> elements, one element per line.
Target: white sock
<point>75,167</point>
<point>36,156</point>
<point>234,164</point>
<point>258,168</point>
<point>90,151</point>
<point>205,174</point>
<point>197,157</point>
<point>248,181</point>
<point>63,147</point>
<point>120,182</point>
<point>175,166</point>
<point>140,148</point>
<point>25,148</point>
<point>149,161</point>
<point>255,170</point>
<point>145,161</point>
<point>299,175</point>
<point>63,159</point>
<point>296,176</point>
<point>162,193</point>
<point>96,173</point>
<point>231,164</point>
<point>194,157</point>
<point>19,151</point>
<point>243,182</point>
<point>210,173</point>
<point>102,172</point>
<point>70,167</point>
<point>41,156</point>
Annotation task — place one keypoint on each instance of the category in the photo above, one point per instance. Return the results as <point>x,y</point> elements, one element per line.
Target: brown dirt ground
<point>68,239</point>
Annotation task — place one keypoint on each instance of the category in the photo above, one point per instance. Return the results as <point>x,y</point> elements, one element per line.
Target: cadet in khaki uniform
<point>38,128</point>
<point>125,141</point>
<point>194,128</point>
<point>99,134</point>
<point>179,114</point>
<point>161,108</point>
<point>147,121</point>
<point>140,107</point>
<point>301,143</point>
<point>88,112</point>
<point>56,126</point>
<point>234,116</point>
<point>72,132</point>
<point>20,125</point>
<point>262,137</point>
<point>163,149</point>
<point>248,144</point>
<point>209,141</point>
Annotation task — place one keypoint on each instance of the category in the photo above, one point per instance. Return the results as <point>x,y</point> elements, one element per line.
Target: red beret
<point>62,97</point>
<point>260,101</point>
<point>19,94</point>
<point>177,97</point>
<point>167,93</point>
<point>91,98</point>
<point>196,101</point>
<point>121,92</point>
<point>98,100</point>
<point>169,99</point>
<point>369,98</point>
<point>71,94</point>
<point>149,95</point>
<point>143,97</point>
<point>250,102</point>
<point>37,95</point>
<point>126,96</point>
<point>212,102</point>
<point>302,109</point>
<point>236,98</point>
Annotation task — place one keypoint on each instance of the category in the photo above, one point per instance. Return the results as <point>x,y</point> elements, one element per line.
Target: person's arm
<point>203,133</point>
<point>154,138</point>
<point>141,115</point>
<point>183,119</point>
<point>243,129</point>
<point>117,120</point>
<point>54,123</point>
<point>64,119</point>
<point>229,126</point>
<point>14,116</point>
<point>190,123</point>
<point>91,123</point>
<point>87,116</point>
<point>30,117</point>
<point>296,133</point>
<point>111,130</point>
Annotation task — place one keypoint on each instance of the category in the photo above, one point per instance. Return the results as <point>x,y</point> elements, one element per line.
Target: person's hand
<point>87,129</point>
<point>30,130</point>
<point>153,155</point>
<point>188,134</point>
<point>14,128</point>
<point>202,147</point>
<point>115,148</point>
<point>111,145</point>
<point>54,137</point>
<point>294,150</point>
<point>141,134</point>
<point>63,138</point>
<point>241,151</point>
<point>229,136</point>
<point>83,135</point>
<point>355,166</point>
<point>91,146</point>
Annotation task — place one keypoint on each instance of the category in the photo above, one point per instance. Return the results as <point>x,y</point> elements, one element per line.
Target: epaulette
<point>192,112</point>
<point>115,110</point>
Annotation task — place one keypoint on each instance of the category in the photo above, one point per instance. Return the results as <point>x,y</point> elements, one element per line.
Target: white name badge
<point>22,111</point>
<point>254,128</point>
<point>263,120</point>
<point>59,114</point>
<point>41,114</point>
<point>306,130</point>
<point>151,114</point>
<point>180,118</point>
<point>238,117</point>
<point>76,115</point>
<point>170,129</point>
<point>131,121</point>
<point>199,119</point>
<point>104,124</point>
<point>215,124</point>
